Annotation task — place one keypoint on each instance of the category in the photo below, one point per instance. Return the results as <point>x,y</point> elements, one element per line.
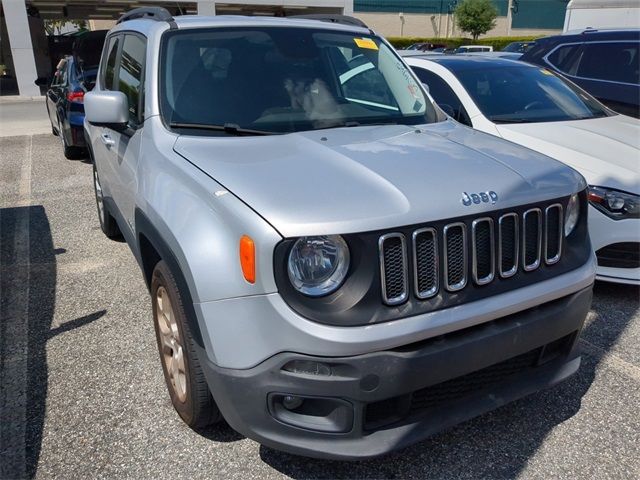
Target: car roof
<point>460,62</point>
<point>145,25</point>
<point>585,35</point>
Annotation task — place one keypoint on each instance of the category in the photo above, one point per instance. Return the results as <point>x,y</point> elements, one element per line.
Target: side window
<point>566,58</point>
<point>615,61</point>
<point>109,68</point>
<point>444,96</point>
<point>130,75</point>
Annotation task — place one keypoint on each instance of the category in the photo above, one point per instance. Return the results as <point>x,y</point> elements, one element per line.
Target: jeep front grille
<point>478,250</point>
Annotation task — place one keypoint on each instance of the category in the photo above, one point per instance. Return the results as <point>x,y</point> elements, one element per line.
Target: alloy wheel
<point>172,351</point>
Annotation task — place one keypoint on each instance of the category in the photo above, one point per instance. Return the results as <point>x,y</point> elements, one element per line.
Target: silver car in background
<point>336,269</point>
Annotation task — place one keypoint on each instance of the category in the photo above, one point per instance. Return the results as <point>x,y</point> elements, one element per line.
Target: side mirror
<point>42,81</point>
<point>426,87</point>
<point>107,109</point>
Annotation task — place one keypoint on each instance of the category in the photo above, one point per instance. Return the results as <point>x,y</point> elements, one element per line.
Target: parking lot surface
<point>82,393</point>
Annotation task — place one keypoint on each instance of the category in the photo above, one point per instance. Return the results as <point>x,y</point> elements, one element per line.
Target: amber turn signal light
<point>248,258</point>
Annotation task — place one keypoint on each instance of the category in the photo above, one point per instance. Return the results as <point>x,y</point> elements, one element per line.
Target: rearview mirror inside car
<point>107,109</point>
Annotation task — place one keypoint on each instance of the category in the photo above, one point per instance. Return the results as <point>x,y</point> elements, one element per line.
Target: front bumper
<point>367,405</point>
<point>605,231</point>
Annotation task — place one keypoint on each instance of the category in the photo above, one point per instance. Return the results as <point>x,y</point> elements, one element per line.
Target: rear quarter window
<point>566,58</point>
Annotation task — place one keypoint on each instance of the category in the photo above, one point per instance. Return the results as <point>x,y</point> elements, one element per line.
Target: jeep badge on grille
<point>477,198</point>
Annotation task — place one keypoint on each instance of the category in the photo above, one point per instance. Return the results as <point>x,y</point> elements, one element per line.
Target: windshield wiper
<point>230,128</point>
<point>513,120</point>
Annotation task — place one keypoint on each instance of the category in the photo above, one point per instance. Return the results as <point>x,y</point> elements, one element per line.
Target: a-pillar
<point>24,63</point>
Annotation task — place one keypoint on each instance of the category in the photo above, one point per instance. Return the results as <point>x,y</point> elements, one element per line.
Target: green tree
<point>476,16</point>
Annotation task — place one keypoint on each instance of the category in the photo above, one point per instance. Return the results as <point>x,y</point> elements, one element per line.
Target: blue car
<point>75,75</point>
<point>605,63</point>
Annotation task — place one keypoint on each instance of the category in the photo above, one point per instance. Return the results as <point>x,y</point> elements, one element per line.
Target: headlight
<point>615,204</point>
<point>318,265</point>
<point>572,215</point>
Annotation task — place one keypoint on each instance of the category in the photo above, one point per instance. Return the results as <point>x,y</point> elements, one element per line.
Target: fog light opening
<point>291,402</point>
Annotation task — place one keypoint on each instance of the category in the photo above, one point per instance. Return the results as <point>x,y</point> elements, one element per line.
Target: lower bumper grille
<point>620,255</point>
<point>395,409</point>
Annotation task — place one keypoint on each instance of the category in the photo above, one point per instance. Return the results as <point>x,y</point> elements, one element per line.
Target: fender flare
<point>150,232</point>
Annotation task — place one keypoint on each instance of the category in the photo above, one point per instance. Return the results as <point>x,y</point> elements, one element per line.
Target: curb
<point>21,99</point>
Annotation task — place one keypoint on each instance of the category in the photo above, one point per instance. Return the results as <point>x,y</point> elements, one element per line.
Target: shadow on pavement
<point>220,432</point>
<point>27,302</point>
<point>498,444</point>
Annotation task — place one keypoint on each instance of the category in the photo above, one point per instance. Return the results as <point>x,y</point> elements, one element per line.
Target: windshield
<point>279,80</point>
<point>519,94</point>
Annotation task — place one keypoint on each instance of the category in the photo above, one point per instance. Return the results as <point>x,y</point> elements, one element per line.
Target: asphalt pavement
<point>82,393</point>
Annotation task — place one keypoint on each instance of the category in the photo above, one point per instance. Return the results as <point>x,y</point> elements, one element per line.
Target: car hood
<point>605,150</point>
<point>357,179</point>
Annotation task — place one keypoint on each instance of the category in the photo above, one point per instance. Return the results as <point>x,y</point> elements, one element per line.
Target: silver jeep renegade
<point>336,268</point>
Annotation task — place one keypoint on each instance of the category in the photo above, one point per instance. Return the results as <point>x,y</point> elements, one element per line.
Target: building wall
<point>426,17</point>
<point>434,25</point>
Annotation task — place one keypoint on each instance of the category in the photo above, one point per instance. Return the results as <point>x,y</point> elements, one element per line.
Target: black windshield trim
<point>230,128</point>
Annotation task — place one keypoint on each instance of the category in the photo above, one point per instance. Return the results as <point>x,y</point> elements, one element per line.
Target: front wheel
<point>183,374</point>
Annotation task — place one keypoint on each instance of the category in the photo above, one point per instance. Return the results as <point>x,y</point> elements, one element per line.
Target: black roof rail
<point>341,19</point>
<point>152,13</point>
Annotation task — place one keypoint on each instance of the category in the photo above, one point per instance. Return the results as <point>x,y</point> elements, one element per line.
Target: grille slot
<point>455,256</point>
<point>531,239</point>
<point>483,250</point>
<point>554,224</point>
<point>508,244</point>
<point>425,262</point>
<point>393,268</point>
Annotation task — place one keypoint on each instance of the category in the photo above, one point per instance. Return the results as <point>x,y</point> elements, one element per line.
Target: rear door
<point>610,72</point>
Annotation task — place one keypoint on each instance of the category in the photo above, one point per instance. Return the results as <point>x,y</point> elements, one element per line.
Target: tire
<point>183,374</point>
<point>70,152</point>
<point>108,224</point>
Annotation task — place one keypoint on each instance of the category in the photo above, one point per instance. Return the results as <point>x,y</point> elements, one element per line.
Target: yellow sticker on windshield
<point>546,72</point>
<point>366,43</point>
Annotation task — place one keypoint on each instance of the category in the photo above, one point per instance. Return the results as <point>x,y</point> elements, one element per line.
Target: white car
<point>533,107</point>
<point>474,48</point>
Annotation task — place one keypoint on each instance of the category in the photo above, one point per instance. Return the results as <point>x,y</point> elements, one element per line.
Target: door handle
<point>107,140</point>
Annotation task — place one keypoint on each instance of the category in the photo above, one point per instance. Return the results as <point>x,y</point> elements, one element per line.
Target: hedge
<point>498,43</point>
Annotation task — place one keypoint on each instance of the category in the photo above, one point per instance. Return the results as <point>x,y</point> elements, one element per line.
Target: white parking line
<point>15,348</point>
